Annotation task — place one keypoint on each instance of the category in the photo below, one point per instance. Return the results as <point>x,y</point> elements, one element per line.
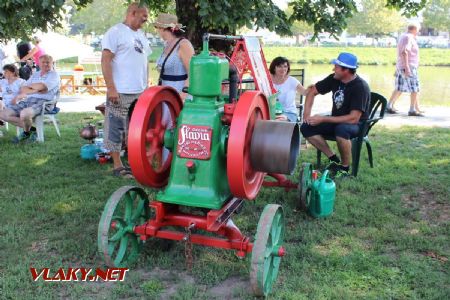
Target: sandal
<point>123,172</point>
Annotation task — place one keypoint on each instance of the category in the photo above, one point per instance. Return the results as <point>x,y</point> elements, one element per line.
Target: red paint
<point>79,274</point>
<point>228,235</point>
<point>194,141</point>
<point>281,181</point>
<point>146,135</point>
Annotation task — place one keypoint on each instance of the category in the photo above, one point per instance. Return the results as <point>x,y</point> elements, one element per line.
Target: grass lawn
<point>388,238</point>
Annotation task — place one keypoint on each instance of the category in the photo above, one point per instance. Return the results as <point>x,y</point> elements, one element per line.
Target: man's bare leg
<point>26,116</point>
<point>117,161</point>
<point>393,99</point>
<point>414,105</point>
<point>345,150</point>
<point>9,116</point>
<point>321,144</point>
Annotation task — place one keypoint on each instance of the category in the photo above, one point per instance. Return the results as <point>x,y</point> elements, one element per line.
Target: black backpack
<point>25,72</point>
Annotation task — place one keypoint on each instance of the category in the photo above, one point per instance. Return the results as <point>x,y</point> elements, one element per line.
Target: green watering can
<point>316,194</point>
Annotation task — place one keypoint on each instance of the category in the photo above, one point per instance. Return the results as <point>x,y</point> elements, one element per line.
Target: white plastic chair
<point>39,119</point>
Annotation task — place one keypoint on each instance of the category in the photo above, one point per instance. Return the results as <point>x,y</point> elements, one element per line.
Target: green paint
<point>127,207</point>
<point>265,261</point>
<point>322,196</point>
<point>205,185</point>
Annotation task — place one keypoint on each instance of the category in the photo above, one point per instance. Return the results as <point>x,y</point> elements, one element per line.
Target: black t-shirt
<point>354,95</point>
<point>23,48</point>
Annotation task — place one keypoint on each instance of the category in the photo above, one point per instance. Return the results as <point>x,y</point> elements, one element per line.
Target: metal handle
<point>212,36</point>
<point>323,178</point>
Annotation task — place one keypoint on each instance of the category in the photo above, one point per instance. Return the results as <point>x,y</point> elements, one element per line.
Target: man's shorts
<point>117,117</point>
<point>343,130</point>
<point>31,102</point>
<point>407,84</point>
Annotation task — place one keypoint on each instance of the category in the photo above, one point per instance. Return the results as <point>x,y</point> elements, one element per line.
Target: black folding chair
<point>376,112</point>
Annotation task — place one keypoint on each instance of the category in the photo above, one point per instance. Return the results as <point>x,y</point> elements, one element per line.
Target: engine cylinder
<point>275,146</point>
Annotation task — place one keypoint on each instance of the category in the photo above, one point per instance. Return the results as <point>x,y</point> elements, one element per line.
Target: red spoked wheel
<point>155,112</point>
<point>243,180</point>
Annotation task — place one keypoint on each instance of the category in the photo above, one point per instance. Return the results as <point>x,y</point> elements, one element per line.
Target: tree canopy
<point>20,18</point>
<point>367,20</point>
<point>437,15</point>
<point>89,19</point>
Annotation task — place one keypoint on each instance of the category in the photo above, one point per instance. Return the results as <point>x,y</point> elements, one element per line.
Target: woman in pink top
<point>36,52</point>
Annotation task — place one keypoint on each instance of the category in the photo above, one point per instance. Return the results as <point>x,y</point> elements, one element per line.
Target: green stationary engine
<point>212,152</point>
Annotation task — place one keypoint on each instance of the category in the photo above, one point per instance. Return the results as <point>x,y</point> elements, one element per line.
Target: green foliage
<point>298,27</point>
<point>19,18</point>
<point>331,16</point>
<point>233,14</point>
<point>409,8</point>
<point>324,15</point>
<point>99,23</point>
<point>367,21</point>
<point>226,16</point>
<point>437,15</point>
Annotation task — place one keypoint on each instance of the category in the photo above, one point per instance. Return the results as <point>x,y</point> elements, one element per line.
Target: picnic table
<point>92,83</point>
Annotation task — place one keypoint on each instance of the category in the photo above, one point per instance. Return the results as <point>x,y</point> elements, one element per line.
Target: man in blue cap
<point>351,98</point>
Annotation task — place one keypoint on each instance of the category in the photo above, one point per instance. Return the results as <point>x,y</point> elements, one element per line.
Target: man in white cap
<point>406,77</point>
<point>351,99</point>
<point>125,69</point>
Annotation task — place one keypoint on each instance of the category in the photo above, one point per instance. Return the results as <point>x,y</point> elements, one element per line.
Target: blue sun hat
<point>346,60</point>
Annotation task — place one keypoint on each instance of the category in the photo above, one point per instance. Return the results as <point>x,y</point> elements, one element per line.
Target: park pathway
<point>434,116</point>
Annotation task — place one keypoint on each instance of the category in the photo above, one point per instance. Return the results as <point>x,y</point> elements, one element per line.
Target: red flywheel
<point>243,180</point>
<point>155,112</point>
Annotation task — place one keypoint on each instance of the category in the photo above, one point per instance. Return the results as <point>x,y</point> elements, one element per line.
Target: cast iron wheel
<point>304,186</point>
<point>243,180</point>
<point>117,243</point>
<point>155,112</point>
<point>267,250</point>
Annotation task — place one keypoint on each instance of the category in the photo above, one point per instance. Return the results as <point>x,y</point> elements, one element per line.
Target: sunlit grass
<point>387,239</point>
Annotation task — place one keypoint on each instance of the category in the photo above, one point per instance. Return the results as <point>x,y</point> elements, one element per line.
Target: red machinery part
<point>243,180</point>
<point>156,111</point>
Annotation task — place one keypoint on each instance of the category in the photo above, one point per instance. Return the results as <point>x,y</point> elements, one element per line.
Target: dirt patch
<point>436,256</point>
<point>174,281</point>
<point>39,246</point>
<point>230,288</point>
<point>430,210</point>
<point>171,282</point>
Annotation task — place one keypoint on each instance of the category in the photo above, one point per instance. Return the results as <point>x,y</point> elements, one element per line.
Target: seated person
<point>351,98</point>
<point>10,85</point>
<point>41,87</point>
<point>287,87</point>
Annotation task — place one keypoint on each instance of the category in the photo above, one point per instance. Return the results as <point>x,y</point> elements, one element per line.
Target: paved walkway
<point>434,116</point>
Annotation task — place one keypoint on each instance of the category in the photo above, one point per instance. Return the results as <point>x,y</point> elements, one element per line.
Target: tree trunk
<point>188,16</point>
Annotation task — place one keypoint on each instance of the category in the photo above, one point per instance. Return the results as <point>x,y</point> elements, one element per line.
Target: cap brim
<point>342,64</point>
